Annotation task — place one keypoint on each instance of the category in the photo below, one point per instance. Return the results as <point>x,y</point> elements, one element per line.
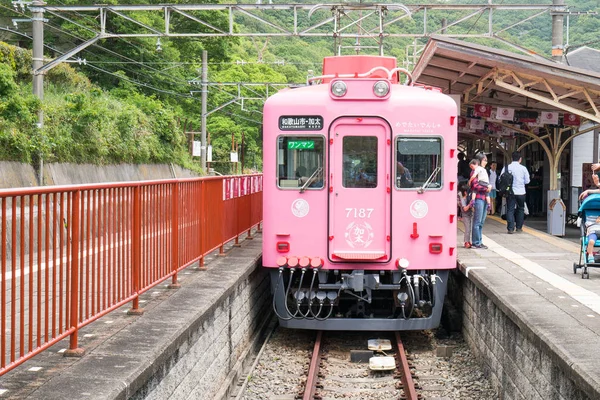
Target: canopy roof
<point>485,75</point>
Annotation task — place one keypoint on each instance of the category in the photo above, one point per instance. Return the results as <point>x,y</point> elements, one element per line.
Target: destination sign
<point>301,123</point>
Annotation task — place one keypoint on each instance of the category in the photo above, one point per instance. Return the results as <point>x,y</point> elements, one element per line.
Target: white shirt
<point>520,177</point>
<point>481,174</point>
<point>493,177</point>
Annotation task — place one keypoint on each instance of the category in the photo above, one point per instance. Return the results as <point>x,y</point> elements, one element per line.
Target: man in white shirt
<point>515,202</point>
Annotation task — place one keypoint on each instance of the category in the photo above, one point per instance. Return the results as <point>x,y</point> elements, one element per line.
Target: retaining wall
<point>14,174</point>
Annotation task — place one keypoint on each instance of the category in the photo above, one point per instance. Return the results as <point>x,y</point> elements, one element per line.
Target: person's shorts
<point>592,237</point>
<point>493,194</point>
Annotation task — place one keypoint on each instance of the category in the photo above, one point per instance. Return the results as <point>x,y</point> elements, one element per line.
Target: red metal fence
<point>71,254</point>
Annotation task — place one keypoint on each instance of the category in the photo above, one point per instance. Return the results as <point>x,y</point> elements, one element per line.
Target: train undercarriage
<point>305,298</point>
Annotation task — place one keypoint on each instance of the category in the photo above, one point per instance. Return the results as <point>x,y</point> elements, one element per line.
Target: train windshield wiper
<point>311,179</point>
<point>429,180</point>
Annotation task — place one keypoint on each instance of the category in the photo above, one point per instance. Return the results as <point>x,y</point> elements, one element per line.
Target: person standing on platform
<point>466,211</point>
<point>515,202</point>
<point>493,178</point>
<point>480,206</point>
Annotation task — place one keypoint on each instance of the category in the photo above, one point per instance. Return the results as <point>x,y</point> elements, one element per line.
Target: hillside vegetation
<point>131,103</point>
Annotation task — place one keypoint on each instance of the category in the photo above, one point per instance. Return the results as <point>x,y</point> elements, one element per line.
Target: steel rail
<point>410,392</point>
<point>313,370</point>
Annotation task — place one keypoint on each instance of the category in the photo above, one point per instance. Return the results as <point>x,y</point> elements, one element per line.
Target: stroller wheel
<point>584,273</point>
<point>575,266</point>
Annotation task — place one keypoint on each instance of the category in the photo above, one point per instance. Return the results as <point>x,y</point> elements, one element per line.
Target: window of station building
<point>300,162</point>
<point>418,162</point>
<point>360,162</point>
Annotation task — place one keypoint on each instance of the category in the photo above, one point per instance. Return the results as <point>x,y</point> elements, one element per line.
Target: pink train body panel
<point>360,184</point>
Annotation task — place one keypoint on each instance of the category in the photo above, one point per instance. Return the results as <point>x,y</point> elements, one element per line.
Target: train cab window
<point>360,162</point>
<point>300,162</point>
<point>418,163</point>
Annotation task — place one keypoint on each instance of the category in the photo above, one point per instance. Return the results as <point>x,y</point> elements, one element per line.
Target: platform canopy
<point>525,84</point>
<point>501,78</point>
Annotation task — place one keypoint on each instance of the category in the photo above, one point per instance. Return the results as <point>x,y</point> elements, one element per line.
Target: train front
<point>359,199</point>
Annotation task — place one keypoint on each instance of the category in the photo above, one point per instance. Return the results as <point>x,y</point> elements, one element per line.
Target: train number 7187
<point>359,212</point>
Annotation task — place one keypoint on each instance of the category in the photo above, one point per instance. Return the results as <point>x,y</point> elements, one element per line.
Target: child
<point>467,212</point>
<point>481,175</point>
<point>592,224</point>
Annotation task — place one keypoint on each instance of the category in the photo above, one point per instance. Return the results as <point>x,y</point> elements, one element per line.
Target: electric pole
<point>557,30</point>
<point>204,100</point>
<point>37,19</point>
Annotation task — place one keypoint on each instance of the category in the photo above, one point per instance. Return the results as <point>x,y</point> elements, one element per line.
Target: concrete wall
<point>13,174</point>
<point>519,364</point>
<point>200,365</point>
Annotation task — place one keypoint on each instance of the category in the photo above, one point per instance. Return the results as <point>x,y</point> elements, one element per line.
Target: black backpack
<point>505,183</point>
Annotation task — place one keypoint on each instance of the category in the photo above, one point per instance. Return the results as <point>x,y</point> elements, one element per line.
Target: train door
<point>359,195</point>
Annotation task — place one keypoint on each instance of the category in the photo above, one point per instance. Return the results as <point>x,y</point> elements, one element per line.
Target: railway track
<point>338,377</point>
<point>286,368</point>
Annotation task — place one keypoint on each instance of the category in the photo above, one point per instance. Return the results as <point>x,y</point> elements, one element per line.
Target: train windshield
<point>417,160</point>
<point>300,162</point>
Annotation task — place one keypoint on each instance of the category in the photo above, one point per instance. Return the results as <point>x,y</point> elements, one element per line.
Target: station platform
<point>533,322</point>
<point>528,276</point>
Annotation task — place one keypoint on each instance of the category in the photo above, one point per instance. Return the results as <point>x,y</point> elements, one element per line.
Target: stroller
<point>589,210</point>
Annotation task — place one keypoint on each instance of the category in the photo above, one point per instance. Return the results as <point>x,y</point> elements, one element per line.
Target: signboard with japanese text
<point>300,123</point>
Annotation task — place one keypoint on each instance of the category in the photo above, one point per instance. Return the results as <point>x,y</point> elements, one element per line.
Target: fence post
<point>175,236</point>
<point>203,230</point>
<point>73,350</point>
<point>136,244</point>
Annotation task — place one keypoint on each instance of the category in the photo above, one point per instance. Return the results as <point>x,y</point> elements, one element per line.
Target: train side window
<point>418,161</point>
<point>300,162</point>
<point>360,162</point>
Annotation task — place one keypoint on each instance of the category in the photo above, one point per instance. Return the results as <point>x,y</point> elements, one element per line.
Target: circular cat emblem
<point>419,209</point>
<point>300,208</point>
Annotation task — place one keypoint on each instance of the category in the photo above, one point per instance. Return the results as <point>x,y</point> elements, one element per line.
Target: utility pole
<point>557,30</point>
<point>204,100</point>
<point>38,60</point>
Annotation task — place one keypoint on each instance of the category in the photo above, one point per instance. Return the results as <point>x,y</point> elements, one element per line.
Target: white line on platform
<point>583,296</point>
<point>471,268</point>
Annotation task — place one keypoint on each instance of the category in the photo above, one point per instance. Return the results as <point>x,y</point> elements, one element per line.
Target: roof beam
<point>523,88</point>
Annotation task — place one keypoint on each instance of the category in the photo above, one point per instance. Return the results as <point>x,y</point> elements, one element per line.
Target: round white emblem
<point>359,235</point>
<point>419,209</point>
<point>300,208</point>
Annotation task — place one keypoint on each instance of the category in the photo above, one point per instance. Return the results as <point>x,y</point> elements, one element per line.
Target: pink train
<point>359,199</point>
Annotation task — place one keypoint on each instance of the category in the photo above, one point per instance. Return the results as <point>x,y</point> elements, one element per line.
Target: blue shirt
<point>520,177</point>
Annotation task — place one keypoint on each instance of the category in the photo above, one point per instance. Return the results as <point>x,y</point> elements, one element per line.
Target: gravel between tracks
<point>280,373</point>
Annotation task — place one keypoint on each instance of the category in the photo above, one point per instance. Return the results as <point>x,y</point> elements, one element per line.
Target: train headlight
<point>339,88</point>
<point>381,88</point>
